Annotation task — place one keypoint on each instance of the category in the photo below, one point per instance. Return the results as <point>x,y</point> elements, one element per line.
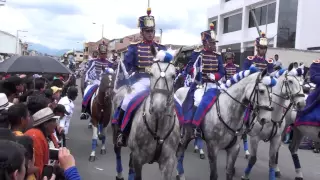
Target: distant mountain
<point>46,50</point>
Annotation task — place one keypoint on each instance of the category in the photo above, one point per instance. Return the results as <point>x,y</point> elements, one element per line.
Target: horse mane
<point>153,50</point>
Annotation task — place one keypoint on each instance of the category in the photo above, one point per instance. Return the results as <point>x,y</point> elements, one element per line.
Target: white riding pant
<point>139,86</point>
<point>199,92</point>
<point>65,124</point>
<point>94,82</point>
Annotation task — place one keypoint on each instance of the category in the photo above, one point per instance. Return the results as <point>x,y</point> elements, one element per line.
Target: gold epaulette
<point>135,42</point>
<point>250,58</point>
<point>236,65</point>
<point>197,50</point>
<point>316,61</point>
<point>218,53</point>
<point>270,61</point>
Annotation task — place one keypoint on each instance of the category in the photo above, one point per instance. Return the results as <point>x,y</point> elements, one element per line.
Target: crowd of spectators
<point>35,113</point>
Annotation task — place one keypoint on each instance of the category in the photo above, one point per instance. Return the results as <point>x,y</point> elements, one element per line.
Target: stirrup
<point>121,140</point>
<point>197,132</point>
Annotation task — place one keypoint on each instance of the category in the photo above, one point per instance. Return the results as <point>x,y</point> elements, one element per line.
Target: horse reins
<point>169,94</point>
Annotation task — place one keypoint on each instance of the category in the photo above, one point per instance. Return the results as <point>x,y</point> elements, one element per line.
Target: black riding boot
<point>84,115</point>
<point>122,137</point>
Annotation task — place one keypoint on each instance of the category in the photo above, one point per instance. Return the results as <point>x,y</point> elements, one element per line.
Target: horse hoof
<point>202,156</point>
<point>196,150</point>
<point>92,158</point>
<point>119,178</point>
<point>278,174</point>
<point>298,178</point>
<point>177,177</point>
<point>247,156</point>
<point>103,151</point>
<point>244,178</point>
<point>89,126</point>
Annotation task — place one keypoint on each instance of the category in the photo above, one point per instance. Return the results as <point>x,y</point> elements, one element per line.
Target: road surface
<point>195,169</point>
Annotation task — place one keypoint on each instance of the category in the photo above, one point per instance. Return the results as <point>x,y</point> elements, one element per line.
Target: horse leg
<point>180,157</point>
<point>137,167</point>
<point>232,154</point>
<point>273,151</point>
<point>254,141</point>
<point>167,167</point>
<point>92,157</point>
<point>293,147</point>
<point>212,156</point>
<point>103,138</point>
<point>132,174</point>
<point>278,173</point>
<point>117,151</point>
<point>245,146</point>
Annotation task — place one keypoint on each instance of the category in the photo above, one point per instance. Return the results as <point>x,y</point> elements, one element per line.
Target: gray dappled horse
<point>101,112</point>
<point>287,93</point>
<point>223,122</point>
<point>154,135</point>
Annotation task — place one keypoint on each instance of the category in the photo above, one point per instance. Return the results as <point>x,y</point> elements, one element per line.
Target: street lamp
<point>17,39</point>
<point>102,27</point>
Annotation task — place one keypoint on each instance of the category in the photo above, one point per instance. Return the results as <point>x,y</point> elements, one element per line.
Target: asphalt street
<point>104,167</point>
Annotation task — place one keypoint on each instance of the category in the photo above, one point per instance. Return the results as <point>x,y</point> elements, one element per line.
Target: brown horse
<point>101,111</point>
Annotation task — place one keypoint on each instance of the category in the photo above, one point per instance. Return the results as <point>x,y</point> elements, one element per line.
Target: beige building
<point>89,47</point>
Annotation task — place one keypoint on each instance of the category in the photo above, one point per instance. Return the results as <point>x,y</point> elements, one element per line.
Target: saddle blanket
<point>207,101</point>
<point>88,95</point>
<point>311,118</point>
<point>133,105</point>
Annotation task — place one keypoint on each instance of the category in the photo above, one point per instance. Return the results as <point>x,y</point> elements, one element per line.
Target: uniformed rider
<point>93,71</point>
<point>138,60</point>
<point>311,112</point>
<point>259,60</point>
<point>229,67</point>
<point>207,66</point>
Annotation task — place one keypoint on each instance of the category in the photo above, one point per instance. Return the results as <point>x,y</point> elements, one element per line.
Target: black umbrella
<point>33,64</point>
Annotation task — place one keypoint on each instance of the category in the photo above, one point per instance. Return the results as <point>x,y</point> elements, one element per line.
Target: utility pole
<point>267,14</point>
<point>102,30</point>
<point>148,3</point>
<point>160,36</point>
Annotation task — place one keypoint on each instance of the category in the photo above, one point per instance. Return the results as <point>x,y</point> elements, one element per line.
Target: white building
<point>291,24</point>
<point>8,44</point>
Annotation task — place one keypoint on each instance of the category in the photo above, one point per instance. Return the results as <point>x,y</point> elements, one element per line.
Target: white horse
<point>222,123</point>
<point>155,133</point>
<point>286,93</point>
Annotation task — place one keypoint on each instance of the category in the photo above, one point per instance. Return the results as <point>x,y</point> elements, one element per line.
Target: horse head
<point>257,93</point>
<point>289,88</point>
<point>162,75</point>
<point>107,82</point>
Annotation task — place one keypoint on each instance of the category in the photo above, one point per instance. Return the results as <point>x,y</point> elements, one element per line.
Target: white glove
<point>211,76</point>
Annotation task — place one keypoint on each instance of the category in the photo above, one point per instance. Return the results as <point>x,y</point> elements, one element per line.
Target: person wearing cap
<point>4,105</point>
<point>259,60</point>
<point>206,66</point>
<point>43,127</point>
<point>68,108</point>
<point>56,92</point>
<point>229,66</point>
<point>138,60</point>
<point>93,72</point>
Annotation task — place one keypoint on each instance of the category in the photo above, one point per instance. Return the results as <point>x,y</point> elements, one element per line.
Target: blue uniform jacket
<point>211,63</point>
<point>259,62</point>
<point>312,109</point>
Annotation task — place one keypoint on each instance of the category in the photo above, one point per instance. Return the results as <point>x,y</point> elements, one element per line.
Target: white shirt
<point>68,104</point>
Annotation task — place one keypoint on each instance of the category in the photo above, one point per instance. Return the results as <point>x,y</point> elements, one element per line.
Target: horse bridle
<point>167,92</point>
<point>253,106</point>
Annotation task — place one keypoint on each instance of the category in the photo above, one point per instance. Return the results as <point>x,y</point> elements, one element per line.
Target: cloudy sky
<point>63,23</point>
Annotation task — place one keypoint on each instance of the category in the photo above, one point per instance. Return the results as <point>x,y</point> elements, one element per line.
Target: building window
<point>232,23</point>
<point>286,35</point>
<point>261,15</point>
